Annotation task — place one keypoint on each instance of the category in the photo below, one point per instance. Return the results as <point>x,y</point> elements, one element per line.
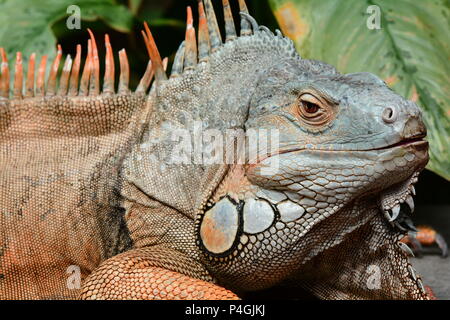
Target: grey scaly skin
<point>319,210</point>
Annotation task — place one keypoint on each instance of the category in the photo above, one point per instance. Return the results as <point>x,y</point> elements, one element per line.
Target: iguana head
<point>351,125</point>
<point>341,138</point>
<point>345,143</point>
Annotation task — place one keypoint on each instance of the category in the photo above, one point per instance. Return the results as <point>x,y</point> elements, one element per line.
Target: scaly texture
<point>115,189</point>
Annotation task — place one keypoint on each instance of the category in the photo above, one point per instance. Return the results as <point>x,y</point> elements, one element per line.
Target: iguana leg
<point>426,236</point>
<point>152,273</point>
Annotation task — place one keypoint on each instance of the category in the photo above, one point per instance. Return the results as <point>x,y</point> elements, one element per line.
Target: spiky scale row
<point>209,38</point>
<point>69,81</point>
<point>190,53</point>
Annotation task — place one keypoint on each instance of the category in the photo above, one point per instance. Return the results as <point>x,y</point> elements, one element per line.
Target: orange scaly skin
<point>430,293</point>
<point>426,236</point>
<point>133,274</point>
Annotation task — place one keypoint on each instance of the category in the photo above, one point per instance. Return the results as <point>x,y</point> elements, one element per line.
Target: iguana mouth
<point>416,140</point>
<point>397,202</point>
<point>408,142</point>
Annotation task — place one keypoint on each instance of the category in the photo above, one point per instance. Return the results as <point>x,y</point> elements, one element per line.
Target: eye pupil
<point>311,107</point>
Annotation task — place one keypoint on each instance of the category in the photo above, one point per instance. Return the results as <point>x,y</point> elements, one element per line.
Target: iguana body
<point>86,180</point>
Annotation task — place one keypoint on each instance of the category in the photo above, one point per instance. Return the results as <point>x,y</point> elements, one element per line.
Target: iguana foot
<point>430,293</point>
<point>426,236</point>
<point>151,274</point>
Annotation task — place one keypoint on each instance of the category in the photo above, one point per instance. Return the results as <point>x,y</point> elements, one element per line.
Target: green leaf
<point>29,22</point>
<point>410,51</point>
<point>134,6</point>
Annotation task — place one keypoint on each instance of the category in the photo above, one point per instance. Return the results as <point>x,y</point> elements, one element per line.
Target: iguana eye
<point>314,111</point>
<point>309,104</point>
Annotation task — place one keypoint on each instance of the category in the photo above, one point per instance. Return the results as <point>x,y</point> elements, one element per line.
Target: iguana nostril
<point>389,115</point>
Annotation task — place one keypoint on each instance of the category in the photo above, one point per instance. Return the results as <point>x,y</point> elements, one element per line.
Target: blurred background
<point>406,43</point>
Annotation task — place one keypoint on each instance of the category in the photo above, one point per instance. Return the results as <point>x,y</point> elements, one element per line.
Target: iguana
<point>89,182</point>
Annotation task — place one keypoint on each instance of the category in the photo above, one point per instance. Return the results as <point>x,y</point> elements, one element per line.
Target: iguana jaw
<point>397,200</point>
<point>392,200</point>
